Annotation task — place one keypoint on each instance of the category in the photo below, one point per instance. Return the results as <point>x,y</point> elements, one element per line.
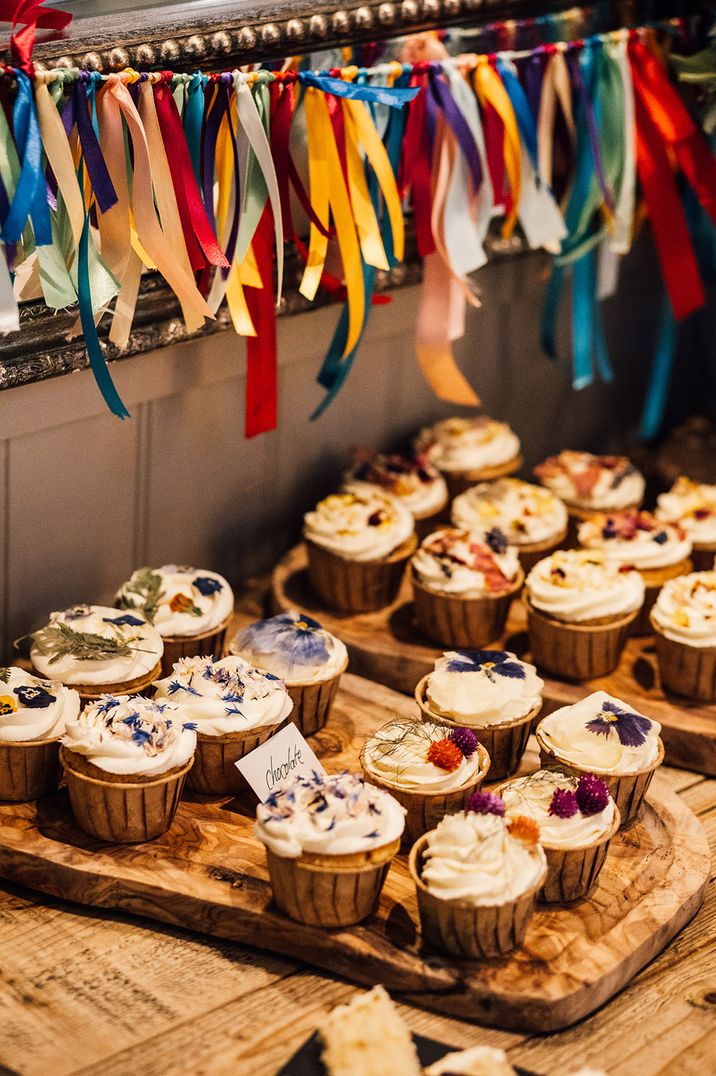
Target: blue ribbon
<point>523,112</point>
<point>396,97</point>
<point>193,118</point>
<point>30,199</point>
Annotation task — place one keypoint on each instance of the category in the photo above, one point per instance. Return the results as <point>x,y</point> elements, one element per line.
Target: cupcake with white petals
<point>470,450</point>
<point>580,608</point>
<point>409,476</point>
<point>684,623</point>
<point>358,544</point>
<point>692,506</point>
<point>588,483</point>
<point>33,714</point>
<point>191,608</point>
<point>125,760</point>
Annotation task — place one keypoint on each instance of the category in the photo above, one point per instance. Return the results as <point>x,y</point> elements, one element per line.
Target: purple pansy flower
<point>492,662</point>
<point>206,585</point>
<point>35,698</point>
<point>298,637</point>
<point>631,728</point>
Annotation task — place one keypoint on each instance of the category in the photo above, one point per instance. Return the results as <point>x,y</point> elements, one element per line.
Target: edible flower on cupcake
<point>463,562</point>
<point>409,476</point>
<point>585,481</point>
<point>581,585</point>
<point>293,646</point>
<point>422,756</point>
<point>359,524</point>
<point>480,688</point>
<point>636,537</point>
<point>601,734</point>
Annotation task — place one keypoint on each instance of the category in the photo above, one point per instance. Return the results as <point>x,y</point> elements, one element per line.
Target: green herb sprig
<point>147,585</point>
<point>59,640</point>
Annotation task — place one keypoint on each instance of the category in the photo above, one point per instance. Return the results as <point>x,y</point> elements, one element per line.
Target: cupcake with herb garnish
<point>478,874</point>
<point>329,842</point>
<point>125,760</point>
<point>603,736</point>
<point>191,608</point>
<point>308,659</point>
<point>692,506</point>
<point>489,691</point>
<point>432,769</point>
<point>409,476</point>
<point>531,518</point>
<point>463,586</point>
<point>684,623</point>
<point>580,609</point>
<point>659,551</point>
<point>588,483</point>
<point>358,544</point>
<point>577,819</point>
<point>97,650</point>
<point>470,450</point>
<point>234,708</point>
<point>33,713</point>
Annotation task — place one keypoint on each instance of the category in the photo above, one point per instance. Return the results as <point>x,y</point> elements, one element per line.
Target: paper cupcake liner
<point>119,811</point>
<point>532,552</point>
<point>89,693</point>
<point>312,702</point>
<point>330,891</point>
<point>357,586</point>
<point>214,771</point>
<point>686,670</point>
<point>426,809</point>
<point>29,769</point>
<point>505,743</point>
<point>577,651</point>
<point>653,582</point>
<point>573,872</point>
<point>702,556</point>
<point>191,646</point>
<point>465,929</point>
<point>460,623</point>
<point>460,481</point>
<point>627,789</point>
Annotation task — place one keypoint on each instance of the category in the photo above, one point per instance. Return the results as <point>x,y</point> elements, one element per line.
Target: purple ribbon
<point>96,168</point>
<point>209,135</point>
<point>532,75</point>
<point>458,124</point>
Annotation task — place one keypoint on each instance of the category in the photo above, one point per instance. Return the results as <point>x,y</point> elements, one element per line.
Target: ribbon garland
<point>197,176</point>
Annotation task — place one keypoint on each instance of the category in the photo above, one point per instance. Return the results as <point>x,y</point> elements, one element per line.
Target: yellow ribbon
<point>490,91</point>
<point>358,118</point>
<point>363,213</point>
<point>314,108</point>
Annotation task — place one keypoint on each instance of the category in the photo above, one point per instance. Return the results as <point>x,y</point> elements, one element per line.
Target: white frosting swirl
<point>532,796</point>
<point>178,600</point>
<point>483,687</point>
<point>292,646</point>
<point>474,858</point>
<point>226,695</point>
<point>329,814</point>
<point>142,642</point>
<point>685,609</point>
<point>587,481</point>
<point>362,523</point>
<point>602,734</point>
<point>461,562</point>
<point>398,754</point>
<point>635,537</point>
<point>525,513</point>
<point>32,709</point>
<point>410,477</point>
<point>468,444</point>
<point>128,734</point>
<point>693,506</point>
<point>579,585</point>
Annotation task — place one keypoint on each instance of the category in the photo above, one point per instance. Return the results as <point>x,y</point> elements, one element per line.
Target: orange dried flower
<point>445,754</point>
<point>524,829</point>
<point>180,603</point>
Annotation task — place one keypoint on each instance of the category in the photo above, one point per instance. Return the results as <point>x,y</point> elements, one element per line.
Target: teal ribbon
<point>30,199</point>
<point>193,120</point>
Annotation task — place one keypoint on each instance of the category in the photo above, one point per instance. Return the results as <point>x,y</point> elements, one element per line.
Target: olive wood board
<point>387,646</point>
<point>208,874</point>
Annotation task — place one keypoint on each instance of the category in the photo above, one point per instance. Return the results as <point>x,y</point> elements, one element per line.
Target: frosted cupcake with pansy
<point>470,450</point>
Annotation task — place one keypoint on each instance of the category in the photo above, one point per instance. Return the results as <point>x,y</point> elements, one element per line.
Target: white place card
<point>276,763</point>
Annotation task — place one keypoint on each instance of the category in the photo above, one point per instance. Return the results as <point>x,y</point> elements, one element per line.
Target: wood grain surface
<point>386,646</point>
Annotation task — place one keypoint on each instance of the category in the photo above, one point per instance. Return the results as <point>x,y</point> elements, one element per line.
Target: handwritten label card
<point>276,763</point>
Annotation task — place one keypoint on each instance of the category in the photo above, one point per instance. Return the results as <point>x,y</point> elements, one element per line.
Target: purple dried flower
<point>466,740</point>
<point>486,803</point>
<point>592,794</point>
<point>631,729</point>
<point>563,803</point>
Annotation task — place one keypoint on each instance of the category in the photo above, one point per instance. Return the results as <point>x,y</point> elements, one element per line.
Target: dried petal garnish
<point>445,754</point>
<point>592,794</point>
<point>524,829</point>
<point>486,803</point>
<point>563,803</point>
<point>465,739</point>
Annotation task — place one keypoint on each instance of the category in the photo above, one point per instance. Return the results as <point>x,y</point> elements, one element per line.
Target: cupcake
<point>601,735</point>
<point>692,505</point>
<point>358,543</point>
<point>684,623</point>
<point>659,551</point>
<point>191,608</point>
<point>477,876</point>
<point>489,691</point>
<point>329,842</point>
<point>308,659</point>
<point>32,720</point>
<point>463,586</point>
<point>234,709</point>
<point>580,608</point>
<point>408,476</point>
<point>588,483</point>
<point>125,760</point>
<point>577,819</point>
<point>96,650</point>
<point>474,1061</point>
<point>531,518</point>
<point>470,450</point>
<point>430,768</point>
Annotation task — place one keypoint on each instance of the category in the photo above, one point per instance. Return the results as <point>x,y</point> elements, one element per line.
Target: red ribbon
<point>261,374</point>
<point>416,168</point>
<point>32,16</point>
<point>494,151</point>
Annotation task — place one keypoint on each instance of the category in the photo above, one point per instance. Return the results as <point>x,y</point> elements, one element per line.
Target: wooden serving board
<point>387,646</point>
<point>208,874</point>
